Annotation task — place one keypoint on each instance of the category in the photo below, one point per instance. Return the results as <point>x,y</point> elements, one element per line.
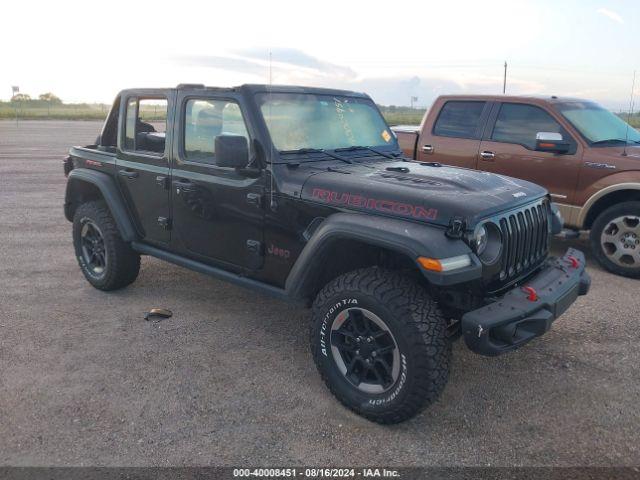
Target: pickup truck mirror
<point>231,151</point>
<point>551,142</point>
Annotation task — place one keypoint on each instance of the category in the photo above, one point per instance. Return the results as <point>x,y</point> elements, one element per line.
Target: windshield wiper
<point>361,147</point>
<point>317,150</point>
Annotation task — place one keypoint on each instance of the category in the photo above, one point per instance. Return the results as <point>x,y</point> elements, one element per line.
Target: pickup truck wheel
<point>106,261</point>
<point>379,342</point>
<point>615,239</point>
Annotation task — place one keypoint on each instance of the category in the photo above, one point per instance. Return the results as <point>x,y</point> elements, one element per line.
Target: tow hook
<point>573,261</point>
<point>532,295</point>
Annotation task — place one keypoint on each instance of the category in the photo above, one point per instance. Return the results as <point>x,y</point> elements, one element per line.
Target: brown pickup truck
<point>587,158</point>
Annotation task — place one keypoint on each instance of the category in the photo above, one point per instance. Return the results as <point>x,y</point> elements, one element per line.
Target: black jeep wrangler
<point>303,194</point>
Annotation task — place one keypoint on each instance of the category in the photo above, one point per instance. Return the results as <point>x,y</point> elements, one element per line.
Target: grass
<point>80,111</point>
<point>403,118</point>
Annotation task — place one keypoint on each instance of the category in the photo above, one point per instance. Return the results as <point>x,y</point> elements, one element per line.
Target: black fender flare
<point>409,238</point>
<point>110,193</point>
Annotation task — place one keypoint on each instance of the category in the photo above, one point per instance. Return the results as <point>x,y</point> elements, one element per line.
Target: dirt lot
<point>229,379</point>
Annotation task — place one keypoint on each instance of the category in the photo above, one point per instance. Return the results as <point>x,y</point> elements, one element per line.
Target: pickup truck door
<point>217,212</point>
<point>508,148</point>
<point>452,135</point>
<point>142,161</point>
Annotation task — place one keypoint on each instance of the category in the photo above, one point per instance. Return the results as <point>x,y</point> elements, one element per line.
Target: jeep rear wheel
<point>380,344</point>
<point>106,261</point>
<point>615,239</point>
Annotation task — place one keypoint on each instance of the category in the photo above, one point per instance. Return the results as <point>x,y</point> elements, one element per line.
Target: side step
<point>237,279</point>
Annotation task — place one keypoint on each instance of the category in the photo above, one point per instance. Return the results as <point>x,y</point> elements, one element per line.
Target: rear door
<point>508,148</point>
<point>217,212</point>
<point>453,138</point>
<point>143,161</point>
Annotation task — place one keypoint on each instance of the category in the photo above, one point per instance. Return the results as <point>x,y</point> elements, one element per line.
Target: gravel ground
<point>229,379</point>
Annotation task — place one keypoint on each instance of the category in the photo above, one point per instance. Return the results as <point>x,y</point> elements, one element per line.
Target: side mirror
<point>551,142</point>
<point>231,151</point>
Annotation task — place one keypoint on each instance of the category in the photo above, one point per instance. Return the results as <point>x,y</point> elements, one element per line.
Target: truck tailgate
<point>407,138</point>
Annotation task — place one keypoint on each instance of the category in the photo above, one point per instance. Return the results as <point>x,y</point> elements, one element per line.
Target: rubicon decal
<point>384,206</point>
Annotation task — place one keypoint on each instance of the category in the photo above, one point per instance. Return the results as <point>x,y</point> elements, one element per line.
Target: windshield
<point>597,124</point>
<point>326,122</point>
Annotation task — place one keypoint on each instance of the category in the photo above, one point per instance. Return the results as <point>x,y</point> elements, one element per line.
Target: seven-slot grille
<point>525,238</point>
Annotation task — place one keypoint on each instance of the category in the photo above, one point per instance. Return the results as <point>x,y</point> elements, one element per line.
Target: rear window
<point>459,119</point>
<point>146,125</point>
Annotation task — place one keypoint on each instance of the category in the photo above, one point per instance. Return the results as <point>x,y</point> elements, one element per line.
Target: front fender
<point>110,193</point>
<point>411,239</point>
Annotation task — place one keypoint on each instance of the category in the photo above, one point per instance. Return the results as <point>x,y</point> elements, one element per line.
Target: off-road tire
<point>122,262</point>
<point>419,330</point>
<point>603,220</point>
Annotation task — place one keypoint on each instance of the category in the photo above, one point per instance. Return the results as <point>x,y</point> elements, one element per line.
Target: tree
<point>50,98</point>
<point>21,97</point>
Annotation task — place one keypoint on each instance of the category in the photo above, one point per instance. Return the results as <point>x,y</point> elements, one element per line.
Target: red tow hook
<point>532,295</point>
<point>575,263</point>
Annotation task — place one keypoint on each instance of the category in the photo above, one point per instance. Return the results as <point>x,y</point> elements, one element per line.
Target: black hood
<point>422,192</point>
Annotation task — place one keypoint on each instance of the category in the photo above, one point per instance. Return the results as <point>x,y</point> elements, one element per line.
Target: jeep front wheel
<point>106,260</point>
<point>380,344</point>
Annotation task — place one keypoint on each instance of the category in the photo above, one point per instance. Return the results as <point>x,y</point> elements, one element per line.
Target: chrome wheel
<point>620,241</point>
<point>365,351</point>
<point>94,252</point>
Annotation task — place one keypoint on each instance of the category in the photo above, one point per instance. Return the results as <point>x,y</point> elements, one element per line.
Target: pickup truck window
<point>519,123</point>
<point>597,124</point>
<point>204,121</point>
<point>297,121</point>
<point>459,119</point>
<point>145,125</point>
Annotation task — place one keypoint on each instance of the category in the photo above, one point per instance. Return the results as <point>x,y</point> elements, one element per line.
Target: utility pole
<point>504,82</point>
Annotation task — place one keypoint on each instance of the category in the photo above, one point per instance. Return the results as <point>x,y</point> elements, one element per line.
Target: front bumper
<point>527,311</point>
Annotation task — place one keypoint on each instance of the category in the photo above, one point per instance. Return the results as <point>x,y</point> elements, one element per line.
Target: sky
<point>89,50</point>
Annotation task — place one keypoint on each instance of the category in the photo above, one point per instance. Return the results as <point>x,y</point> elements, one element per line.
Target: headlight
<point>487,242</point>
<point>480,240</point>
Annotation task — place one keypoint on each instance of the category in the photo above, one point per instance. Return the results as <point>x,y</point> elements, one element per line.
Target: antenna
<point>629,113</point>
<point>504,82</point>
<point>272,202</point>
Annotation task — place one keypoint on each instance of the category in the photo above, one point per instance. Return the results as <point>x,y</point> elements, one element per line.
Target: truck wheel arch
<point>405,241</point>
<point>85,185</point>
<point>603,199</point>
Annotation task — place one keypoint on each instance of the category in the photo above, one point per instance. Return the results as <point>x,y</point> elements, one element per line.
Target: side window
<point>459,119</point>
<point>519,123</point>
<point>146,125</point>
<point>204,121</point>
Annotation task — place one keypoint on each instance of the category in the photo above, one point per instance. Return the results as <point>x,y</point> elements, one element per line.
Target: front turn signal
<point>444,264</point>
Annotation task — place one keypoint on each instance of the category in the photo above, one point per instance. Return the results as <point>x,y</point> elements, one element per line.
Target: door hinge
<point>163,182</point>
<point>254,246</point>
<point>165,223</point>
<point>254,199</point>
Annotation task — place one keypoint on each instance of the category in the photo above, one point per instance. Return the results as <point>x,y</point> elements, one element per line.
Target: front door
<point>142,163</point>
<point>217,212</point>
<point>508,148</point>
<point>454,137</point>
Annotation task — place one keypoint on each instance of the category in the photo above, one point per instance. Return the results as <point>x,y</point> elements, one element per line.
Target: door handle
<point>184,186</point>
<point>127,172</point>
<point>488,156</point>
<point>427,148</point>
